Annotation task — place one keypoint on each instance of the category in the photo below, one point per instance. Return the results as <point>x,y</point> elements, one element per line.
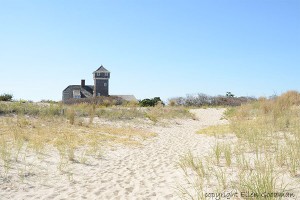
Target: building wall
<point>100,88</point>
<point>67,94</point>
<point>84,91</point>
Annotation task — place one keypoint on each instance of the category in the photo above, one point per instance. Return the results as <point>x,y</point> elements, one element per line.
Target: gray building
<point>100,88</point>
<point>101,77</point>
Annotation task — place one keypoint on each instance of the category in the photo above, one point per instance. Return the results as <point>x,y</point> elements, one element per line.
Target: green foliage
<point>6,97</point>
<point>150,102</point>
<point>229,94</point>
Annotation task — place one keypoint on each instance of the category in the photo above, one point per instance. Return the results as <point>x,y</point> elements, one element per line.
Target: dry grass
<point>216,130</point>
<point>59,131</point>
<point>49,129</point>
<point>38,130</point>
<point>38,136</point>
<point>71,112</point>
<point>33,127</point>
<point>266,154</point>
<point>154,114</point>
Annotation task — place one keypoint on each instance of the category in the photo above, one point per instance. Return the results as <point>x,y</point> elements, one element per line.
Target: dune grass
<point>215,130</point>
<point>155,114</point>
<point>265,153</point>
<point>69,131</point>
<point>67,137</point>
<point>32,129</point>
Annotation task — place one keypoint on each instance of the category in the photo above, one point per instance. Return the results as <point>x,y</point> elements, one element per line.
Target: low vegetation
<point>101,100</point>
<point>216,130</point>
<point>93,110</point>
<point>6,97</point>
<point>150,102</point>
<point>31,129</point>
<point>202,100</point>
<point>263,158</point>
<point>71,137</point>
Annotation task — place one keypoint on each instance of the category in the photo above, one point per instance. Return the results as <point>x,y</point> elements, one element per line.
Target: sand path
<point>150,172</point>
<point>145,172</point>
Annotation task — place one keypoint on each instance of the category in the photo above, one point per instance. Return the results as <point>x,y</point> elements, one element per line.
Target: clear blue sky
<point>163,48</point>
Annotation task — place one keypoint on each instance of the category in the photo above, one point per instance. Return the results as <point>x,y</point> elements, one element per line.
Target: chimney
<point>82,83</point>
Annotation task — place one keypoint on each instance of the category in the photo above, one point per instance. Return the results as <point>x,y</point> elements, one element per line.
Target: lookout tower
<point>101,80</point>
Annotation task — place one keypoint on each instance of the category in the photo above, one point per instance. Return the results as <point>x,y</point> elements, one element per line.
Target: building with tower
<point>101,81</point>
<point>100,88</point>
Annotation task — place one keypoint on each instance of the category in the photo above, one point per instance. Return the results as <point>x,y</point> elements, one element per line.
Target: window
<point>76,94</point>
<point>98,74</point>
<point>105,84</point>
<point>106,74</point>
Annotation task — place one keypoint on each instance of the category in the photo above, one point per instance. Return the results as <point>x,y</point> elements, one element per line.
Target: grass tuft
<point>216,130</point>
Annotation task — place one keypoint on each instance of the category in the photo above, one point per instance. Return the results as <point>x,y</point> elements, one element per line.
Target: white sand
<point>151,172</point>
<point>145,172</point>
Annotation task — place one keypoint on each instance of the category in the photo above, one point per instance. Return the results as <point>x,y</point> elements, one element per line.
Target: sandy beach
<point>148,171</point>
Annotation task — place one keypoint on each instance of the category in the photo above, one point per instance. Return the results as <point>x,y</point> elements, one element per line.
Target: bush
<point>6,97</point>
<point>150,102</point>
<point>48,101</point>
<point>288,99</point>
<point>205,100</point>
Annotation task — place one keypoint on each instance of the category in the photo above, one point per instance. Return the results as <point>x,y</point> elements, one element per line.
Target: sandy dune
<point>145,172</point>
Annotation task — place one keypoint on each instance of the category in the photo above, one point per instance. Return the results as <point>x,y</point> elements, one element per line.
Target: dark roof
<point>88,88</point>
<point>101,69</point>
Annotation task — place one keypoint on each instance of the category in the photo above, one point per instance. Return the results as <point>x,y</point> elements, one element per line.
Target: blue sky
<point>164,48</point>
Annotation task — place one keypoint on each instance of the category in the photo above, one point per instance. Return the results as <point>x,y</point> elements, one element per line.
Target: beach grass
<point>265,152</point>
<point>71,131</point>
<point>27,128</point>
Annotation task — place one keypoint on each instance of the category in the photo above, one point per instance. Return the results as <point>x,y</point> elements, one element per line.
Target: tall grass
<point>71,112</point>
<point>272,126</point>
<point>27,128</point>
<point>261,181</point>
<point>228,155</point>
<point>196,176</point>
<point>5,155</point>
<point>74,143</point>
<point>33,109</point>
<point>217,152</point>
<point>265,154</point>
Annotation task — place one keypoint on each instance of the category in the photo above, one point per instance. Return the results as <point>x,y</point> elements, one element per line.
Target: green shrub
<point>150,102</point>
<point>6,97</point>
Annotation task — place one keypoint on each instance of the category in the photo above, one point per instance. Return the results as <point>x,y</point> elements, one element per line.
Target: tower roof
<point>101,69</point>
